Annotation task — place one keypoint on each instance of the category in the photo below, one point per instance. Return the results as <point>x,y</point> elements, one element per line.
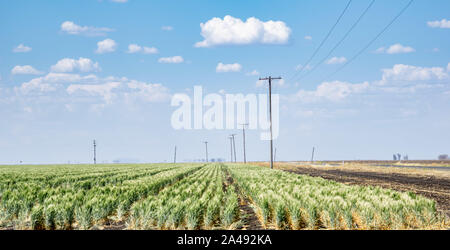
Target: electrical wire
<point>323,41</point>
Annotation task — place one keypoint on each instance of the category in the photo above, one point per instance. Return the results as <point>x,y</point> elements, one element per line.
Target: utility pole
<point>231,148</point>
<point>312,157</point>
<point>270,111</point>
<point>206,144</point>
<point>243,137</point>
<point>95,152</point>
<point>175,155</point>
<point>234,146</point>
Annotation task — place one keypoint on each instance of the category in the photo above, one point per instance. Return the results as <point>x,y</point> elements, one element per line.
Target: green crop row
<point>82,202</point>
<point>193,196</point>
<point>199,201</point>
<point>289,201</point>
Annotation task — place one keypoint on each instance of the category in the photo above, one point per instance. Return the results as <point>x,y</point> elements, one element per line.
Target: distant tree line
<point>443,157</point>
<point>398,157</point>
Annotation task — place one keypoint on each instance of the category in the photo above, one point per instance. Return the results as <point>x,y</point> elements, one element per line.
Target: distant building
<point>443,157</point>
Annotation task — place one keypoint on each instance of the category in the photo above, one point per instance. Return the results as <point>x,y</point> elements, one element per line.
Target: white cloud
<point>119,1</point>
<point>337,60</point>
<point>71,28</point>
<point>104,90</point>
<point>167,28</point>
<point>443,24</point>
<point>67,65</point>
<point>401,72</point>
<point>253,73</point>
<point>52,81</point>
<point>25,70</point>
<point>332,91</point>
<point>309,38</point>
<point>234,31</point>
<point>448,67</point>
<point>147,92</point>
<point>300,67</point>
<point>106,46</point>
<point>134,48</point>
<point>223,68</point>
<point>396,49</point>
<point>22,49</point>
<point>174,59</point>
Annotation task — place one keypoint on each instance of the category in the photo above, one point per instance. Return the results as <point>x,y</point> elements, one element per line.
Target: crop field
<point>199,196</point>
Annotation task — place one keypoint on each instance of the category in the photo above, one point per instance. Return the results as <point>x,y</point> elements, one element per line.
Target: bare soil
<point>433,186</point>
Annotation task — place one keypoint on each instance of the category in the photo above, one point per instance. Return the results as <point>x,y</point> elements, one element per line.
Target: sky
<point>77,70</point>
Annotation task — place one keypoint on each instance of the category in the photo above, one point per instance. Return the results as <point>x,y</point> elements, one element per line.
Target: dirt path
<point>248,216</point>
<point>434,187</point>
<point>249,219</point>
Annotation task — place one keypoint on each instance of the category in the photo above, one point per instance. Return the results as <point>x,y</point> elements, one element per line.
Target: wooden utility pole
<point>234,146</point>
<point>270,114</point>
<point>243,138</point>
<point>206,144</point>
<point>231,148</point>
<point>95,152</point>
<point>175,155</point>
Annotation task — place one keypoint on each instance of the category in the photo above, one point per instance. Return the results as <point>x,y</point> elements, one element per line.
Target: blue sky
<point>68,75</point>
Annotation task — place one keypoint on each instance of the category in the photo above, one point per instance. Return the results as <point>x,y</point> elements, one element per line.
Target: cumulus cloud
<point>67,65</point>
<point>337,60</point>
<point>333,91</point>
<point>147,91</point>
<point>22,49</point>
<point>72,28</point>
<point>25,70</point>
<point>103,90</point>
<point>401,72</point>
<point>253,73</point>
<point>443,24</point>
<point>309,38</point>
<point>106,46</point>
<point>52,81</point>
<point>223,68</point>
<point>134,48</point>
<point>234,31</point>
<point>300,67</point>
<point>174,59</point>
<point>396,49</point>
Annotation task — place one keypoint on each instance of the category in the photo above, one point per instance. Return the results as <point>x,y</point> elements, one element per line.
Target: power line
<point>372,41</point>
<point>323,41</point>
<point>340,42</point>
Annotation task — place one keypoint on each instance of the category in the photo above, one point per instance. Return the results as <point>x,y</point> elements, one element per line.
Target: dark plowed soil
<point>249,218</point>
<point>115,226</point>
<point>432,187</point>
